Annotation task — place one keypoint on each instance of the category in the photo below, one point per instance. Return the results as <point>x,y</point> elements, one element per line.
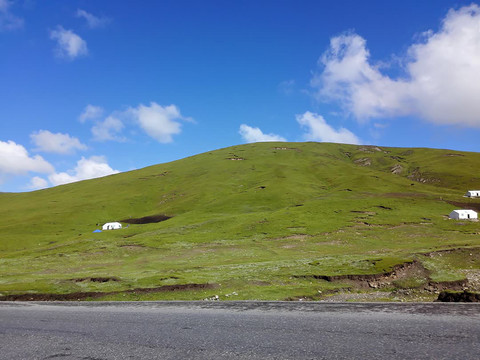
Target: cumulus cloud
<point>159,122</point>
<point>319,130</point>
<point>253,134</point>
<point>93,167</point>
<point>58,143</point>
<point>90,112</point>
<point>8,21</point>
<point>69,44</point>
<point>108,129</point>
<point>15,160</point>
<point>37,183</point>
<point>92,20</point>
<point>441,82</point>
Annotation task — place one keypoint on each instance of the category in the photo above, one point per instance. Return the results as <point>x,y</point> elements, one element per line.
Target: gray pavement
<point>238,330</point>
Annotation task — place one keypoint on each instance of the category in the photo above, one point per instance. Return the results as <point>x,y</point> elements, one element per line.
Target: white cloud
<point>69,44</point>
<point>56,143</point>
<point>8,21</point>
<point>442,79</point>
<point>287,87</point>
<point>159,122</point>
<point>15,160</point>
<point>90,112</point>
<point>93,167</point>
<point>37,183</point>
<point>319,130</point>
<point>108,129</point>
<point>253,134</point>
<point>92,20</point>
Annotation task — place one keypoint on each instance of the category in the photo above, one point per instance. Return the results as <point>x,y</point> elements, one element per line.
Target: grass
<point>256,226</point>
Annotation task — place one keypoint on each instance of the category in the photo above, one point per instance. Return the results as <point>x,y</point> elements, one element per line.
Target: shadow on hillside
<point>146,219</point>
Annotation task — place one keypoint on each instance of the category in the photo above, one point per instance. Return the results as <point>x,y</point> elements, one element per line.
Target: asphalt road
<point>238,330</point>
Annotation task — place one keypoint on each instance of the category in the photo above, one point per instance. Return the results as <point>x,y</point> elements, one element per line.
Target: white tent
<point>463,214</point>
<point>112,226</point>
<point>473,193</point>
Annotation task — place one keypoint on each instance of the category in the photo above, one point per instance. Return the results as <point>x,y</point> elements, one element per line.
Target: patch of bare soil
<point>447,285</point>
<point>132,246</point>
<point>384,207</point>
<point>370,149</point>
<point>96,279</point>
<point>235,157</point>
<point>452,154</point>
<point>418,176</point>
<point>260,283</point>
<point>93,295</point>
<point>363,162</point>
<point>365,223</point>
<point>294,237</point>
<point>147,219</point>
<point>375,281</point>
<point>473,277</point>
<point>286,148</point>
<point>154,176</point>
<point>465,205</point>
<point>464,251</point>
<point>408,270</point>
<point>397,169</point>
<point>364,212</point>
<point>403,195</point>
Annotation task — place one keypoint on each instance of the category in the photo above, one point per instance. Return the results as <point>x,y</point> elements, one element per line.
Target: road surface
<point>238,330</point>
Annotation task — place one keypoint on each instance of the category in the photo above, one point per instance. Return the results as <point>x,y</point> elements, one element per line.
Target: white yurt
<point>463,215</point>
<point>473,193</point>
<point>111,226</point>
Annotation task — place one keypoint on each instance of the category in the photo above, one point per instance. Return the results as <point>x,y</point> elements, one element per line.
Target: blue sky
<point>91,88</point>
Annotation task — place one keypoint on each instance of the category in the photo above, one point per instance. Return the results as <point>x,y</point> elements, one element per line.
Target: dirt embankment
<point>402,272</point>
<point>466,205</point>
<point>465,296</point>
<point>95,295</point>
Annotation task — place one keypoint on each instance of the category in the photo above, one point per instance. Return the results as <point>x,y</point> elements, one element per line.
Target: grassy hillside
<point>257,221</point>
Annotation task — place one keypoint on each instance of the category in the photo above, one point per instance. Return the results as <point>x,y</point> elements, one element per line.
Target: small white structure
<point>112,226</point>
<point>473,193</point>
<point>463,215</point>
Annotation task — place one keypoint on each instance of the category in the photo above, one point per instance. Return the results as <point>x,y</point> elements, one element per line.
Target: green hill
<point>258,221</point>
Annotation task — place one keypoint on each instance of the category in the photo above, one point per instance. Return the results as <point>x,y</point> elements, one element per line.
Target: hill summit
<point>257,221</point>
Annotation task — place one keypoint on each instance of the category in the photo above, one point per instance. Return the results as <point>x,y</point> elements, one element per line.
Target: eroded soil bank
<point>95,295</point>
<point>465,296</point>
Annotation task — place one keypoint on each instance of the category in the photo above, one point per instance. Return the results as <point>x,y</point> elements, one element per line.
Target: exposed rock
<point>363,162</point>
<point>397,169</point>
<point>369,149</point>
<point>416,175</point>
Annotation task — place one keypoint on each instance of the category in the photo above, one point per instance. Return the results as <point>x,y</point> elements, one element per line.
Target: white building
<point>473,193</point>
<point>112,226</point>
<point>463,215</point>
